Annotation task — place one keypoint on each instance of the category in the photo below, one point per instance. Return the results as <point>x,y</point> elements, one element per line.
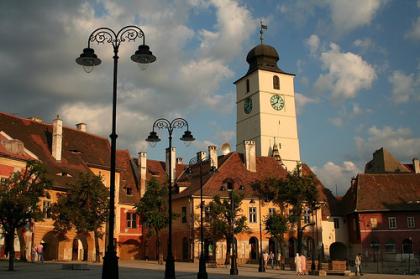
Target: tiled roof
<point>80,149</point>
<point>127,178</point>
<point>383,192</point>
<point>232,166</point>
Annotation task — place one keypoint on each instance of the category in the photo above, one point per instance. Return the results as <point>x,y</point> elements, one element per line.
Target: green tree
<point>296,191</point>
<point>221,217</point>
<point>299,191</point>
<point>277,225</point>
<point>152,209</point>
<point>84,206</point>
<point>19,198</point>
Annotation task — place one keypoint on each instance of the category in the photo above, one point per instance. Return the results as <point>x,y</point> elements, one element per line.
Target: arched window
<point>276,82</point>
<point>247,86</point>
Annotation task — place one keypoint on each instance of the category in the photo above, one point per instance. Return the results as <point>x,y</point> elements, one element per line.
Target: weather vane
<point>262,27</point>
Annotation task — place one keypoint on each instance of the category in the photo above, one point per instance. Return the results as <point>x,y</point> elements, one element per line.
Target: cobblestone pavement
<point>151,270</point>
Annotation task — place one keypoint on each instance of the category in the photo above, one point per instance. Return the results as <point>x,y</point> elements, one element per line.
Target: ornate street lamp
<point>198,160</point>
<point>88,59</point>
<point>163,123</point>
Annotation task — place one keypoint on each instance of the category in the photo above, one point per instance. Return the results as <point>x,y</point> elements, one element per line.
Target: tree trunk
<point>22,244</point>
<point>10,239</point>
<point>299,231</point>
<point>97,252</point>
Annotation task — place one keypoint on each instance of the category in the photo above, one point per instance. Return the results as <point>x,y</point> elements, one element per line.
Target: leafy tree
<point>19,198</point>
<point>299,191</point>
<point>152,209</point>
<point>276,225</point>
<point>296,191</point>
<point>221,216</point>
<point>84,206</point>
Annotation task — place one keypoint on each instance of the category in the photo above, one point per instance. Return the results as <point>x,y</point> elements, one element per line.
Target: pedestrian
<point>278,259</point>
<point>33,253</point>
<point>265,258</point>
<point>272,259</point>
<point>298,264</point>
<point>303,263</point>
<point>358,263</point>
<point>40,251</point>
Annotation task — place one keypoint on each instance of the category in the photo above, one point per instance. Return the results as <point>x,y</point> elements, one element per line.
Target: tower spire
<point>262,27</point>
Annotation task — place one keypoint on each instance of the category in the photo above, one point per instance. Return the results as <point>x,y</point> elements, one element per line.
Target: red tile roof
<point>127,178</point>
<point>80,149</point>
<point>383,192</point>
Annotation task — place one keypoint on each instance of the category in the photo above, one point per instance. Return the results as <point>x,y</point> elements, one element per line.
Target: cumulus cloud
<point>313,43</point>
<point>302,101</point>
<point>349,15</point>
<point>334,175</point>
<point>185,78</point>
<point>404,86</point>
<point>346,73</point>
<point>399,141</point>
<point>414,32</point>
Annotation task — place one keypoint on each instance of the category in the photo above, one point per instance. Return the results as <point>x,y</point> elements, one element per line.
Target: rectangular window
<point>131,220</point>
<point>247,85</point>
<point>253,215</point>
<point>392,222</point>
<point>307,216</point>
<point>184,214</point>
<point>373,223</point>
<point>390,247</point>
<point>411,223</point>
<point>336,223</point>
<point>46,209</point>
<point>271,211</point>
<point>129,191</point>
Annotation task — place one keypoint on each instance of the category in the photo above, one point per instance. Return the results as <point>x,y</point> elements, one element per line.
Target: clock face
<point>277,102</point>
<point>247,105</point>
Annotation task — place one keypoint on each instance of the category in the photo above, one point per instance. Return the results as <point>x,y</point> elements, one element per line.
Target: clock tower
<point>265,107</point>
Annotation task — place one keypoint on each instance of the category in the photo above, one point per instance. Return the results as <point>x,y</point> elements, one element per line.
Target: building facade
<point>67,152</point>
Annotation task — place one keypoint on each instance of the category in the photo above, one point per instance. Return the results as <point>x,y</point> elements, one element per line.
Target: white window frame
<point>252,214</point>
<point>132,220</point>
<point>411,222</point>
<point>392,222</point>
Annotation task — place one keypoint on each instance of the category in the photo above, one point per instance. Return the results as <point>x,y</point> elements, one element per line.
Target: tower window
<point>276,82</point>
<point>247,86</point>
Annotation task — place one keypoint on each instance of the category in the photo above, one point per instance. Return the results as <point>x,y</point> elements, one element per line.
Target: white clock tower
<point>265,106</point>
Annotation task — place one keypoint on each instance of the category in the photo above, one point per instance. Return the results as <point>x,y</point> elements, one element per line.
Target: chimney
<point>250,156</point>
<point>213,156</point>
<point>57,140</point>
<point>416,165</point>
<point>81,127</point>
<point>171,153</point>
<point>201,156</point>
<point>179,161</point>
<point>142,162</point>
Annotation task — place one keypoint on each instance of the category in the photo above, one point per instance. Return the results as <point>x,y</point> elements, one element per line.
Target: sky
<point>357,69</point>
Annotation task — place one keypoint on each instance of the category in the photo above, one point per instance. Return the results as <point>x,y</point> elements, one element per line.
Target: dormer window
<point>276,82</point>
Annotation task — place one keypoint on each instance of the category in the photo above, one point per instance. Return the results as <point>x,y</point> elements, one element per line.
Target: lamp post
<point>163,123</point>
<point>233,264</point>
<point>261,267</point>
<point>202,272</point>
<point>88,59</point>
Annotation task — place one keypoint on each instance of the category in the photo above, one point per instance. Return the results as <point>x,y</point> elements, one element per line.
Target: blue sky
<point>356,63</point>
